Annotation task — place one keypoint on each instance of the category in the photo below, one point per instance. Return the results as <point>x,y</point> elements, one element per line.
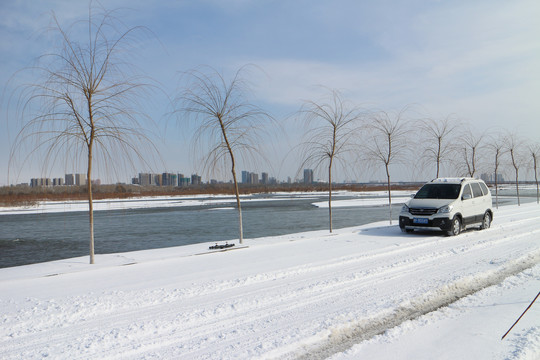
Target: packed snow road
<point>308,295</point>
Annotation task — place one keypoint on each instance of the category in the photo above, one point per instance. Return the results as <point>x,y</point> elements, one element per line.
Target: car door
<point>478,201</point>
<point>468,211</point>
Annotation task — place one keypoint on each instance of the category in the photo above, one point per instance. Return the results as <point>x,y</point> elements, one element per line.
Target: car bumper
<point>438,223</point>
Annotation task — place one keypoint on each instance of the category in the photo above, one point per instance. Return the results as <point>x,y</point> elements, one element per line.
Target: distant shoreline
<point>28,196</point>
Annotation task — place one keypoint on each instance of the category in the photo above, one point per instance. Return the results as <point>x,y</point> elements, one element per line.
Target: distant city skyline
<point>248,178</point>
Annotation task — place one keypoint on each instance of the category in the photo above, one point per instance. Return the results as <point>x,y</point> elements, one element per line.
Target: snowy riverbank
<point>361,292</point>
<point>362,199</point>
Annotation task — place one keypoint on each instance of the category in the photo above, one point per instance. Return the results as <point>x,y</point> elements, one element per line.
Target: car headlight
<point>405,208</point>
<point>445,209</point>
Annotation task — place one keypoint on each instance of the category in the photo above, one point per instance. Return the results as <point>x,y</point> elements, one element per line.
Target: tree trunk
<point>438,156</point>
<point>389,193</point>
<point>90,204</point>
<point>386,164</point>
<point>496,181</point>
<point>330,194</point>
<point>517,185</point>
<point>473,162</point>
<point>233,171</point>
<point>536,180</point>
<point>517,173</point>
<point>240,230</point>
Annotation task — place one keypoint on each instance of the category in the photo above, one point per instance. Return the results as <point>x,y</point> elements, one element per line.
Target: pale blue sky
<point>479,60</point>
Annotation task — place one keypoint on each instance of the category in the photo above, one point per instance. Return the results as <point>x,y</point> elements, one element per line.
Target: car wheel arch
<point>487,213</point>
<point>452,232</point>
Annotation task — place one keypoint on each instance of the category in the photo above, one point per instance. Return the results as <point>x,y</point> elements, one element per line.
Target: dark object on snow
<point>218,247</point>
<point>528,307</point>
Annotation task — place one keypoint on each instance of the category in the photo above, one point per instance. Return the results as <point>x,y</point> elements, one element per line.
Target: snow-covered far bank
<point>124,204</point>
<point>363,202</point>
<point>361,292</point>
<point>189,200</point>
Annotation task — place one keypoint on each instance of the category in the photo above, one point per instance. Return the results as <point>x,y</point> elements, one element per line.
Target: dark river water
<point>34,238</point>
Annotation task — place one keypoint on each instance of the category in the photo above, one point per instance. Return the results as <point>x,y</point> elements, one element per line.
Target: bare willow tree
<point>497,148</point>
<point>437,141</point>
<point>515,150</point>
<point>470,146</point>
<point>226,123</point>
<point>332,127</point>
<point>534,151</point>
<point>387,143</point>
<point>84,107</point>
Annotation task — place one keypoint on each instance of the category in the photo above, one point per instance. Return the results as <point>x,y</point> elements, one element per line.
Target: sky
<point>476,60</point>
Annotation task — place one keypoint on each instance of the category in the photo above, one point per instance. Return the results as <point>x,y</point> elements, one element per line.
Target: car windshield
<point>438,191</point>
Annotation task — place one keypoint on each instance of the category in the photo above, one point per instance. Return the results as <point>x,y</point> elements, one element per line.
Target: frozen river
<point>60,230</point>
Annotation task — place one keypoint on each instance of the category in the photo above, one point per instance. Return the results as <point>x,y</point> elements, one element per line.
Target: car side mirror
<point>413,195</point>
<point>466,197</point>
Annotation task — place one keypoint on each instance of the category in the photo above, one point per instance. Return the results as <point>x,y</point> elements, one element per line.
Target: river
<point>39,237</point>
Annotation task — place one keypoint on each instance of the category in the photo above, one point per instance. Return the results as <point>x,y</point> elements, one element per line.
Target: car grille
<point>422,211</point>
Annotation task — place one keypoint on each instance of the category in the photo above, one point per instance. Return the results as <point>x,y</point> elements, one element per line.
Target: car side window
<point>477,191</point>
<point>484,188</point>
<point>466,191</point>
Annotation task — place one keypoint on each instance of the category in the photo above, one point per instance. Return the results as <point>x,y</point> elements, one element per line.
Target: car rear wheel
<point>486,222</point>
<point>455,229</point>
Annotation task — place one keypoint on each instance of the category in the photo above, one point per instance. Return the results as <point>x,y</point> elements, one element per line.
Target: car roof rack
<point>457,180</point>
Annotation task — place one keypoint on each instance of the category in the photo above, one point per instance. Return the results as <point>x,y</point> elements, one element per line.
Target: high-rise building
<point>80,179</point>
<point>183,181</point>
<point>169,179</point>
<point>264,178</point>
<point>145,179</point>
<point>165,179</point>
<point>195,179</point>
<point>245,177</point>
<point>70,179</point>
<point>492,177</point>
<point>308,176</point>
<point>40,182</point>
<point>250,178</point>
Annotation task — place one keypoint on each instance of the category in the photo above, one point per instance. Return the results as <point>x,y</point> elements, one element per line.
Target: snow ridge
<point>344,337</point>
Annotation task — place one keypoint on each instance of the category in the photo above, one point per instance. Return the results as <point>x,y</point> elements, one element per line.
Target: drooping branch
<point>226,123</point>
<point>332,126</point>
<point>84,104</point>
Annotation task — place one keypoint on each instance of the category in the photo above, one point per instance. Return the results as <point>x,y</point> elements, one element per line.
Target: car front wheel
<point>455,229</point>
<point>486,222</point>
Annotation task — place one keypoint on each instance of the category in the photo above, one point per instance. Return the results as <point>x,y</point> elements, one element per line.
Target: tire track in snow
<point>277,309</point>
<point>345,337</point>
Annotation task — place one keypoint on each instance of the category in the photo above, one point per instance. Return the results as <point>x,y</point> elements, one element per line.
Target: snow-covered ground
<point>367,292</point>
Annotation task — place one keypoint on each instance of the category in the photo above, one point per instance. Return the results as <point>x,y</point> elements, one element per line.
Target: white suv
<point>448,204</point>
